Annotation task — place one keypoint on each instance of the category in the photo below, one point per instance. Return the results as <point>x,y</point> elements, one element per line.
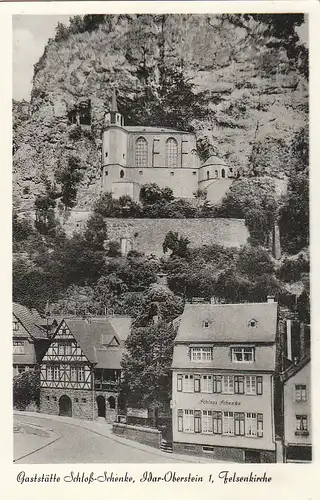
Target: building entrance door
<point>101,403</point>
<point>65,406</point>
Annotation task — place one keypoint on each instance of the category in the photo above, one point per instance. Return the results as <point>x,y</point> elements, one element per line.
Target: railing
<point>106,386</point>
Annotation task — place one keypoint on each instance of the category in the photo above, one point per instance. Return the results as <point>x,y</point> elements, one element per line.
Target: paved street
<point>81,445</point>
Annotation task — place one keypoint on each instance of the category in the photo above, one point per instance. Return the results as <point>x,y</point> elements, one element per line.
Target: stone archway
<point>65,406</point>
<point>101,404</point>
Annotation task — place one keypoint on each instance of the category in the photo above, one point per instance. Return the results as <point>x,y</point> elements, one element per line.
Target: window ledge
<point>302,433</point>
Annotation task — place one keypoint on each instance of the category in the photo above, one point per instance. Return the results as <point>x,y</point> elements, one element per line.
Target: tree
<point>26,389</point>
<point>152,193</point>
<point>160,303</point>
<point>69,177</point>
<point>147,365</point>
<point>45,223</point>
<point>178,245</point>
<point>232,287</point>
<point>95,233</point>
<point>254,261</point>
<point>257,223</point>
<point>294,215</point>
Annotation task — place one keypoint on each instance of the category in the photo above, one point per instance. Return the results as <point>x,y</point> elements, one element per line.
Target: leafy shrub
<point>292,269</point>
<point>26,389</point>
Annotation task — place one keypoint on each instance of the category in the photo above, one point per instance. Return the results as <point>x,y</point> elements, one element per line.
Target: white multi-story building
<point>224,363</point>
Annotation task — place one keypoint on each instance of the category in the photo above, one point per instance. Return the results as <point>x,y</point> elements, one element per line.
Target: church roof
<point>156,130</point>
<point>214,160</point>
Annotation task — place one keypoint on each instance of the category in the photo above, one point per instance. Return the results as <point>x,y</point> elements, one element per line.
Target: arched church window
<point>141,152</point>
<point>171,153</point>
<point>208,175</point>
<point>121,174</point>
<point>216,173</point>
<point>223,173</point>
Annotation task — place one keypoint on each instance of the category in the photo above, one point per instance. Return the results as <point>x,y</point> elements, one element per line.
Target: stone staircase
<point>166,446</point>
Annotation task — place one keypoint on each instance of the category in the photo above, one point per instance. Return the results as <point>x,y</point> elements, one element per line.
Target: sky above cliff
<point>30,35</point>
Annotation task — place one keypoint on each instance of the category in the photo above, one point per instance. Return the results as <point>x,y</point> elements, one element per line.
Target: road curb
<point>54,437</point>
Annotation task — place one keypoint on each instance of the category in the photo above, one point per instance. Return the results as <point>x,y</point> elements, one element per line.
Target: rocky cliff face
<point>226,78</point>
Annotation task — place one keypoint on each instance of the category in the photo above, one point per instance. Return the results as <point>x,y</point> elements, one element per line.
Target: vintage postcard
<point>162,326</point>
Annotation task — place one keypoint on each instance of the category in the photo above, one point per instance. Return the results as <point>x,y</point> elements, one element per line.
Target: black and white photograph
<point>160,240</point>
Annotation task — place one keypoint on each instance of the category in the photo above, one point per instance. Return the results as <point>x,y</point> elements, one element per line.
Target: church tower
<point>114,146</point>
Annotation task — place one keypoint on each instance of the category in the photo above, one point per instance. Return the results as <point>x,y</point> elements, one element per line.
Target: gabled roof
<point>94,336</point>
<point>214,160</point>
<point>228,323</point>
<point>295,368</point>
<point>30,320</point>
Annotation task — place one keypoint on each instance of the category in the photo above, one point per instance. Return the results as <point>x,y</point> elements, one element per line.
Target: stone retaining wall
<point>143,435</point>
<point>147,235</point>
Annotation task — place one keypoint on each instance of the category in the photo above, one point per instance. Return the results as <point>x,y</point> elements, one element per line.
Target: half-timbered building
<point>80,372</point>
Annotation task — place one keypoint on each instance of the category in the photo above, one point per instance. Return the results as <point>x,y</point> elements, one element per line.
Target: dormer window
<point>242,354</point>
<point>252,323</point>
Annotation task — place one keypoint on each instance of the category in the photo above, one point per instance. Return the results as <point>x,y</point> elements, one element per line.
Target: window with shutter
<point>207,422</point>
<point>228,424</point>
<point>197,383</point>
<point>259,385</point>
<point>188,384</point>
<point>227,384</point>
<point>239,424</point>
<point>206,384</point>
<point>217,384</point>
<point>188,421</point>
<point>238,384</point>
<point>197,421</point>
<point>179,382</point>
<point>260,425</point>
<point>217,422</point>
<point>180,420</point>
<point>251,424</point>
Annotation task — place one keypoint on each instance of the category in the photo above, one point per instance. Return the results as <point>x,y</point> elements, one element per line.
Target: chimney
<point>114,105</point>
<point>270,299</point>
<point>302,340</point>
<point>276,245</point>
<point>289,346</point>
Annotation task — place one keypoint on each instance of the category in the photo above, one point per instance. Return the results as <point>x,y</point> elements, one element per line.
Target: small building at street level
<point>224,365</point>
<point>296,410</point>
<point>81,370</point>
